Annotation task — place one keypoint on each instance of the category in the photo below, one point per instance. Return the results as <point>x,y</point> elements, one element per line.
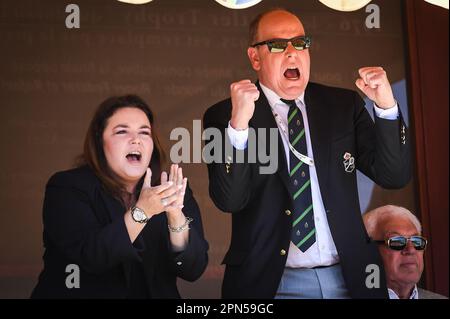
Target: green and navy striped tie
<point>303,229</point>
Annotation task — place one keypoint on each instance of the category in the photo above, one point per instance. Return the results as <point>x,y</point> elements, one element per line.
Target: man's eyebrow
<point>390,233</point>
<point>394,233</point>
<point>297,36</point>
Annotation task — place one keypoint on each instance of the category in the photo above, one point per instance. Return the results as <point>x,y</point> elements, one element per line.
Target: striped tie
<point>303,229</point>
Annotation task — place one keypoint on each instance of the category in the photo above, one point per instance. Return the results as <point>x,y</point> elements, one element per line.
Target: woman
<point>114,227</point>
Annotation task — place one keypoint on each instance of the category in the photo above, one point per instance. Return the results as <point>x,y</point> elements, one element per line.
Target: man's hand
<point>243,96</point>
<point>373,82</point>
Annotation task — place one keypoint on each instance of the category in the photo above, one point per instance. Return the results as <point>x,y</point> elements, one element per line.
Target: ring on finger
<point>164,202</point>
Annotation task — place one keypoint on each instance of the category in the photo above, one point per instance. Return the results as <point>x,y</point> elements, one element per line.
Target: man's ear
<point>253,56</point>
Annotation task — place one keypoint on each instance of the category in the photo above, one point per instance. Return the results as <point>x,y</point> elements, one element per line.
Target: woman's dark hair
<point>94,155</point>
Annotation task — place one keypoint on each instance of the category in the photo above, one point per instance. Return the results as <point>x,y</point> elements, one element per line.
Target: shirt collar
<point>274,99</point>
<point>414,294</point>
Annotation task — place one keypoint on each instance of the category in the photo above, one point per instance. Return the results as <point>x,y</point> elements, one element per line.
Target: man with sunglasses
<point>398,233</point>
<point>298,233</point>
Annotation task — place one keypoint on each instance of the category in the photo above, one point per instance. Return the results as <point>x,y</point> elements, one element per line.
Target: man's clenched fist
<point>243,96</point>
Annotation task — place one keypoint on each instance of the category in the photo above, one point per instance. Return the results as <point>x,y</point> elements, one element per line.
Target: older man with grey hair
<point>402,247</point>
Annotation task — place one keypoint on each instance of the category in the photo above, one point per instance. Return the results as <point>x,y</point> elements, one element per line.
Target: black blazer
<point>338,123</point>
<point>84,225</point>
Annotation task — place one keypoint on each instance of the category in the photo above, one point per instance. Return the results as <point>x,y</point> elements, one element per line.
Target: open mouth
<point>409,265</point>
<point>134,157</point>
<point>292,74</point>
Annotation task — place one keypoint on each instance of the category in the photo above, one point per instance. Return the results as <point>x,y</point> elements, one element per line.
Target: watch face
<point>139,215</point>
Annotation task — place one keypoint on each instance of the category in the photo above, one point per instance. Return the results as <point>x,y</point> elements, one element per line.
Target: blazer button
<point>283,252</point>
<point>288,212</point>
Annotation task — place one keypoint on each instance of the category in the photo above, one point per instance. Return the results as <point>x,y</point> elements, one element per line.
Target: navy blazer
<point>261,228</point>
<point>84,225</point>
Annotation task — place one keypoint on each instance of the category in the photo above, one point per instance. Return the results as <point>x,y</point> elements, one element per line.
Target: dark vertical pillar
<point>427,28</point>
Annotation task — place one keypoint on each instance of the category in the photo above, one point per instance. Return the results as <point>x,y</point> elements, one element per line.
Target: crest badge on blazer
<point>349,162</point>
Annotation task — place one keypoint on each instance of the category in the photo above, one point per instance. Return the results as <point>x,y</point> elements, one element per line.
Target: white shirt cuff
<point>387,114</point>
<point>237,138</point>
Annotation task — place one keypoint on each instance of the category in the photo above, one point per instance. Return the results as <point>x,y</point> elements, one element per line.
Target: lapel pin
<point>349,162</point>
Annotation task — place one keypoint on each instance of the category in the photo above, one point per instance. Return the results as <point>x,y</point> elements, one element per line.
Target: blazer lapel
<point>113,206</point>
<point>116,210</point>
<point>263,118</point>
<point>319,130</point>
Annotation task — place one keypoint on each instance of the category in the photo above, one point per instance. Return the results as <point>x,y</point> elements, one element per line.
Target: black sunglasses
<point>399,242</point>
<point>279,45</point>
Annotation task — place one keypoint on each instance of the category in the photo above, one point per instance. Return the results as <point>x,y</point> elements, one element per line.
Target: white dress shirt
<point>323,252</point>
<point>414,294</point>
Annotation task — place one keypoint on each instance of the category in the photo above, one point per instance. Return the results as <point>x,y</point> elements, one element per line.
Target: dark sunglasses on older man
<point>400,242</point>
<point>279,45</point>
